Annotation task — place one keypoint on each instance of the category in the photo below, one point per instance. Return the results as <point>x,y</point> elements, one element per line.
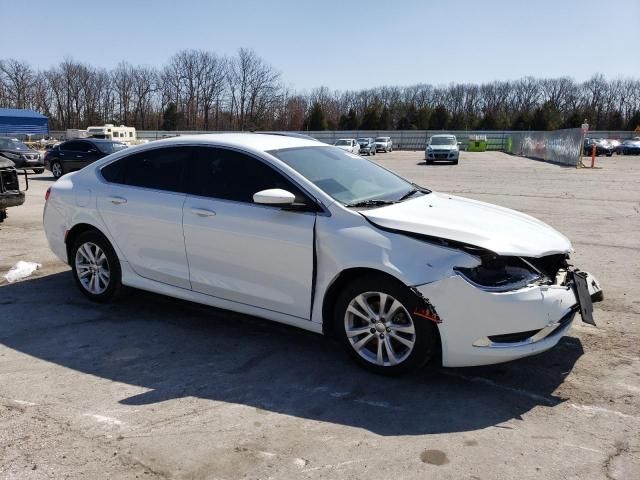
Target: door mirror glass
<point>274,196</point>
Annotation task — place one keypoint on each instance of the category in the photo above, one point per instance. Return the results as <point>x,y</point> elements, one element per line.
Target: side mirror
<point>274,196</point>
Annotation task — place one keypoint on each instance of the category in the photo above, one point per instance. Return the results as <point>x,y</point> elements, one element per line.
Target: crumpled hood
<point>499,229</point>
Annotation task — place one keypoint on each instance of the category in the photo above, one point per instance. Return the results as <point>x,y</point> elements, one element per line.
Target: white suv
<point>442,147</point>
<point>348,145</point>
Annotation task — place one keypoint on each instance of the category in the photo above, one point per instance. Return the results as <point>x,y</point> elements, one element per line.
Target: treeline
<point>200,90</point>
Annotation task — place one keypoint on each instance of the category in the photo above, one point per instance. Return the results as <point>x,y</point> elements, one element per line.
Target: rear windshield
<point>110,147</point>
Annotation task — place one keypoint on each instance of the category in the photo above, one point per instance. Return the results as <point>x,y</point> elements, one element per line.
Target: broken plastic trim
<point>424,308</point>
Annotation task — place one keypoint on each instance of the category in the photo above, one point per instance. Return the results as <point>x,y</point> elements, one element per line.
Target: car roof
<point>93,140</point>
<point>255,141</point>
<point>447,135</point>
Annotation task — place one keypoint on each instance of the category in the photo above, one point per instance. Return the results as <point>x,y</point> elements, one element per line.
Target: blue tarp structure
<point>20,122</point>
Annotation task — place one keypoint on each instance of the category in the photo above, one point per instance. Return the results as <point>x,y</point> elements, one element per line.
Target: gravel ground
<point>154,387</point>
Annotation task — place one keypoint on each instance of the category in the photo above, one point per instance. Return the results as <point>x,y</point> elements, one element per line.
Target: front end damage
<point>10,193</point>
<point>507,307</point>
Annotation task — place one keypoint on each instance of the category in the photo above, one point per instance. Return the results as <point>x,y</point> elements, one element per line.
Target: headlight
<point>500,274</point>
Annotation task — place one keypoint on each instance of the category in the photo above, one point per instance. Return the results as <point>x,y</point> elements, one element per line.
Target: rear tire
<point>373,321</point>
<point>57,169</point>
<point>95,267</point>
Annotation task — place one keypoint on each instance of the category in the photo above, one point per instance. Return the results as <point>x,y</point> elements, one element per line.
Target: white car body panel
<point>259,260</point>
<point>251,254</point>
<point>498,229</point>
<point>148,230</point>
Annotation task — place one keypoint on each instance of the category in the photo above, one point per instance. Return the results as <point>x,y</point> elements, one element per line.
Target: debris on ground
<point>21,270</point>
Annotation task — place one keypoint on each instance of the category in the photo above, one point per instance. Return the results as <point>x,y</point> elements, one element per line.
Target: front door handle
<point>203,212</point>
<point>117,200</point>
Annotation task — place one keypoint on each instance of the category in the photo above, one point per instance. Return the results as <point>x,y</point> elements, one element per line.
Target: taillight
<point>46,195</point>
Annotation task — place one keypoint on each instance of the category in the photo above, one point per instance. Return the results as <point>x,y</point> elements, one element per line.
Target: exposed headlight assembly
<point>501,274</point>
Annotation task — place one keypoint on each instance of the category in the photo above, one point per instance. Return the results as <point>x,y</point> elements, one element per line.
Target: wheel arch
<point>77,230</point>
<point>344,278</point>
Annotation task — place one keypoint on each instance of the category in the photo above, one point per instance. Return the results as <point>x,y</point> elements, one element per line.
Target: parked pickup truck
<point>10,194</point>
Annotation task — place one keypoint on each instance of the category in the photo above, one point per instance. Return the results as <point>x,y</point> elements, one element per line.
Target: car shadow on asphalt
<point>178,349</point>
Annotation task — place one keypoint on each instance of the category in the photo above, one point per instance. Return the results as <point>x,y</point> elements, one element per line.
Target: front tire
<point>373,322</point>
<point>95,266</point>
<point>38,171</point>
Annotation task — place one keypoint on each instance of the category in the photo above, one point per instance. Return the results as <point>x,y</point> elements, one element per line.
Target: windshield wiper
<point>413,191</point>
<point>370,203</point>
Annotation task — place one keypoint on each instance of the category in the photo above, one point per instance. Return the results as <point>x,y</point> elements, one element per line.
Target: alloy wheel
<point>379,328</point>
<point>92,268</point>
<point>56,169</point>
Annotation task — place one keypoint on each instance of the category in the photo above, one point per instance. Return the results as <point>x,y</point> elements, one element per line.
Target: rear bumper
<point>482,328</point>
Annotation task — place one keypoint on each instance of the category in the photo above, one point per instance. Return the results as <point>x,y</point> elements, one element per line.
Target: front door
<point>238,250</point>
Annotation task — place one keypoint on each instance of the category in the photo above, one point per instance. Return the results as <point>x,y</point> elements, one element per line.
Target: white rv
<point>110,132</point>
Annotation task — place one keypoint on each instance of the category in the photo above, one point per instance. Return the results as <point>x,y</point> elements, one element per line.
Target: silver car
<point>384,144</point>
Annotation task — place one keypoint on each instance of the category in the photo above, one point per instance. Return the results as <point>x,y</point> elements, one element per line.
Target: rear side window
<point>76,146</point>
<point>159,169</point>
<point>230,175</point>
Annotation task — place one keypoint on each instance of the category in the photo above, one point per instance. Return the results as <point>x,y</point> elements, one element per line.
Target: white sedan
<point>306,234</point>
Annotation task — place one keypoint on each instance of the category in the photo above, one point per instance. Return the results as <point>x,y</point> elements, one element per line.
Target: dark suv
<point>76,154</point>
<point>21,155</point>
<point>10,194</point>
<point>367,145</point>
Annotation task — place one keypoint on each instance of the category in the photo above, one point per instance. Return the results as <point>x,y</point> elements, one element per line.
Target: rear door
<point>241,251</point>
<point>141,205</point>
<point>73,154</point>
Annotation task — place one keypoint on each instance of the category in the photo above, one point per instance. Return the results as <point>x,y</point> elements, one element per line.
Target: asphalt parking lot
<point>154,387</point>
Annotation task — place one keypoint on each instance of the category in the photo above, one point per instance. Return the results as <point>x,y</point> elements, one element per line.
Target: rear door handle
<point>117,200</point>
<point>203,212</point>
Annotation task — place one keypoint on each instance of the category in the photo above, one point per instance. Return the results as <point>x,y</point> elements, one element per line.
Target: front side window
<point>230,175</point>
<point>348,178</point>
<point>159,169</point>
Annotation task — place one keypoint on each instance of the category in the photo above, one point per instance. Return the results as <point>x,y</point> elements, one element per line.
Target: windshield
<point>110,147</point>
<point>343,142</point>
<point>347,178</point>
<point>442,141</point>
<point>363,141</point>
<point>12,144</point>
<point>381,139</point>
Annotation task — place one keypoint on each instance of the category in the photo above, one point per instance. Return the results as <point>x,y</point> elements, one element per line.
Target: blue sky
<point>341,44</point>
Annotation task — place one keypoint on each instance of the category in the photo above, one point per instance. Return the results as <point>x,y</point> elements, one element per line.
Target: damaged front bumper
<point>480,327</point>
